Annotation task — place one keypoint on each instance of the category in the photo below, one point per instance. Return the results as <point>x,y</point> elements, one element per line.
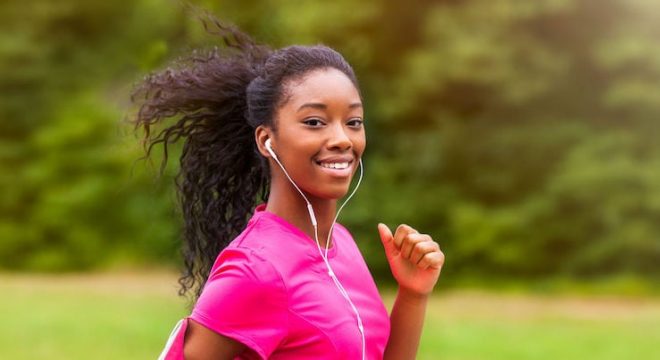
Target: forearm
<point>407,321</point>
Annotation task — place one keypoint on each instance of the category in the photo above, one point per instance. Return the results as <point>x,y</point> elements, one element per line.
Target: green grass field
<point>130,316</point>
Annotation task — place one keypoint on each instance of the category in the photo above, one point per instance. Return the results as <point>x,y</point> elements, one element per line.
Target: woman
<point>281,280</point>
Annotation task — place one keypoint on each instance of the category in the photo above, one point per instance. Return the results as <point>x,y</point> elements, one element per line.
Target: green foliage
<point>520,135</point>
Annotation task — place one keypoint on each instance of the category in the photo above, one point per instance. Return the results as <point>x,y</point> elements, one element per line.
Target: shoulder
<point>244,299</point>
<point>272,242</point>
<point>247,253</point>
<point>247,265</point>
<point>241,283</point>
<point>259,233</point>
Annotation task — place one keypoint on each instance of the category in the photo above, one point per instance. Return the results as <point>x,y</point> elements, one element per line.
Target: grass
<point>129,316</point>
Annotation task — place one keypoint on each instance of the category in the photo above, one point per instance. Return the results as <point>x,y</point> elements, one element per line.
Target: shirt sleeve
<point>244,298</point>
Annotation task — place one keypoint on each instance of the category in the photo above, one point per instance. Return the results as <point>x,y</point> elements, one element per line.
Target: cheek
<point>360,143</point>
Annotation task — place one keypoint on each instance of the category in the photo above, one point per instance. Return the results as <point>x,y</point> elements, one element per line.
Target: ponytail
<point>219,97</point>
<point>221,171</point>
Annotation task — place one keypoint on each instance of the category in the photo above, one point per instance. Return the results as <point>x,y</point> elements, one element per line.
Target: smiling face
<point>320,134</point>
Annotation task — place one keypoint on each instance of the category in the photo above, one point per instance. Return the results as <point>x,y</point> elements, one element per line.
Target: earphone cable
<point>318,244</point>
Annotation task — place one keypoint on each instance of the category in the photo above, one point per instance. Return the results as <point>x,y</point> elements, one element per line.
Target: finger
<point>422,248</point>
<point>410,242</point>
<point>386,238</point>
<point>400,233</point>
<point>435,260</point>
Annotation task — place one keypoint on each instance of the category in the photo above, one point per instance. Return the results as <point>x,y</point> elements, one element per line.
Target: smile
<point>341,168</point>
<point>342,165</point>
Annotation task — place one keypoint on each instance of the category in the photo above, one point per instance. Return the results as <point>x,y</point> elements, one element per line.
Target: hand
<point>414,258</point>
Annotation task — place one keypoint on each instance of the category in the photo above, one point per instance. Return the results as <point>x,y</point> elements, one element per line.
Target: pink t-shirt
<point>270,290</point>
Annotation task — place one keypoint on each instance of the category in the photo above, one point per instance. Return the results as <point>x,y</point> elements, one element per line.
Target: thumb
<point>387,239</point>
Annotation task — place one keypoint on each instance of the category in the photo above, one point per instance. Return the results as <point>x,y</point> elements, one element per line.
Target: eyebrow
<point>322,106</point>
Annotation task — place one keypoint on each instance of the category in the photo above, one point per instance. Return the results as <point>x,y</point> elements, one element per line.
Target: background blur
<point>522,135</point>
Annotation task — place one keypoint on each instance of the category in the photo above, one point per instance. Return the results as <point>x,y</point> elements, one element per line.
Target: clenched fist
<point>414,258</point>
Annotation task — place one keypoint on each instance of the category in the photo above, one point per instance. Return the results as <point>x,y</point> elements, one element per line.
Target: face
<point>320,134</point>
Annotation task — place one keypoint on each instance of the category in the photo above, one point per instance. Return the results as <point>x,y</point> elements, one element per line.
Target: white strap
<point>170,340</point>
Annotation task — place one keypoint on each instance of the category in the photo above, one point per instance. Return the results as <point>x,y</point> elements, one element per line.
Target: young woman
<point>282,280</point>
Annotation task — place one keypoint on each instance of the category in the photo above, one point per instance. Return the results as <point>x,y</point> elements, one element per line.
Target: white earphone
<point>312,217</point>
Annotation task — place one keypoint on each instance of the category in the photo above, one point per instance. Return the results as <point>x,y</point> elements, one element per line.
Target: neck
<point>286,202</point>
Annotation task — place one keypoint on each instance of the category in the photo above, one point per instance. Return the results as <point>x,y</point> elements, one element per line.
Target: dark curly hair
<point>218,97</point>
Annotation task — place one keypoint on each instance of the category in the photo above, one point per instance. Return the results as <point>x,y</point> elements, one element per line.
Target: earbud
<point>270,149</point>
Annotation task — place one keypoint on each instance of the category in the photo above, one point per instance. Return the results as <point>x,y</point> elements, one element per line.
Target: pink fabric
<point>270,290</point>
<point>174,348</point>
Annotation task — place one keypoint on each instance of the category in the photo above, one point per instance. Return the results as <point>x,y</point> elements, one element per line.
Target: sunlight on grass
<point>129,316</point>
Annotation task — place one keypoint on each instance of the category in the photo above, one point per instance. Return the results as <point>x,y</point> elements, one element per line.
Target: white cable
<point>310,209</point>
<point>342,206</point>
<point>331,273</point>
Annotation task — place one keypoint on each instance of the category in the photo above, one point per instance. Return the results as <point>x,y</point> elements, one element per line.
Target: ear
<point>261,134</point>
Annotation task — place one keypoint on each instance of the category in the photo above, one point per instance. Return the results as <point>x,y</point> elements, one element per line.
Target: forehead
<point>327,85</point>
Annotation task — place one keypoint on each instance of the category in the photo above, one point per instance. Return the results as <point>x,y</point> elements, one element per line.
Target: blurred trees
<point>521,135</point>
<point>68,199</point>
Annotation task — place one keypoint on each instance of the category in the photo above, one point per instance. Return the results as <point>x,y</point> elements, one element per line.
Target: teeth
<point>343,165</point>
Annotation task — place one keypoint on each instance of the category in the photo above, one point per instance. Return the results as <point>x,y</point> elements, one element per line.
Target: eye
<point>355,123</point>
<point>313,122</point>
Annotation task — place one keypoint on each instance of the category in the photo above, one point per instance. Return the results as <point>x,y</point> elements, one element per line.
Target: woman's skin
<point>321,121</point>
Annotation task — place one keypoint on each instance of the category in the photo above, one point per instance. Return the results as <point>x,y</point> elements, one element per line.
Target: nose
<point>339,139</point>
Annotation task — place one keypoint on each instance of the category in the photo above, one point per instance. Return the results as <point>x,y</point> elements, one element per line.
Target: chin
<point>334,193</point>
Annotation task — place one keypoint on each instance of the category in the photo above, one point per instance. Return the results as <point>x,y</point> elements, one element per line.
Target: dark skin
<point>321,124</point>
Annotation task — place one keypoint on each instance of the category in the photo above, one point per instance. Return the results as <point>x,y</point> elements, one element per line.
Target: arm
<point>415,260</point>
<point>201,343</point>
<point>407,321</point>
